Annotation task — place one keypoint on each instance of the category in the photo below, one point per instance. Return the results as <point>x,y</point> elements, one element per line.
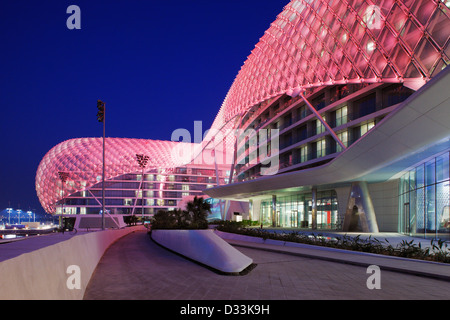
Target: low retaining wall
<point>205,247</point>
<point>54,272</point>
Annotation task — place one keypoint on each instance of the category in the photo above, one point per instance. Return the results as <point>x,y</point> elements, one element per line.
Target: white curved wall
<point>42,274</point>
<point>205,247</point>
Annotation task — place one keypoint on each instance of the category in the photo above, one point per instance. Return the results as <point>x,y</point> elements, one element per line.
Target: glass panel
<point>412,179</point>
<point>426,53</point>
<point>420,212</point>
<point>420,176</point>
<point>430,176</point>
<point>411,34</point>
<point>442,209</point>
<point>320,151</point>
<point>400,185</point>
<point>404,213</point>
<point>430,201</point>
<point>442,168</point>
<point>412,213</point>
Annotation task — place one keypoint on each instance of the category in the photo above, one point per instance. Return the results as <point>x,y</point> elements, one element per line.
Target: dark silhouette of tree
<point>194,217</point>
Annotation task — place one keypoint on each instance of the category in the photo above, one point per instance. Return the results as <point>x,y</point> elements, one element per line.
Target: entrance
<point>353,227</point>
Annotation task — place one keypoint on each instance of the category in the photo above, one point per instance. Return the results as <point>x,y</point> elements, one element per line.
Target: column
<point>314,209</point>
<point>360,215</point>
<point>274,211</point>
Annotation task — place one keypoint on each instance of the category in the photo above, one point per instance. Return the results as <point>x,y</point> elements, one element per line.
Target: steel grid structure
<point>81,162</point>
<point>331,42</point>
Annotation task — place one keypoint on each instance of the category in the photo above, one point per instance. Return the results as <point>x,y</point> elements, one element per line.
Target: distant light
<point>371,46</point>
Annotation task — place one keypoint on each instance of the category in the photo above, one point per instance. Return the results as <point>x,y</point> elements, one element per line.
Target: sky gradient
<point>158,66</point>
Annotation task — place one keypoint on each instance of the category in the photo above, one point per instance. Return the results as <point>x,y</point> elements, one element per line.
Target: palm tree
<point>199,209</point>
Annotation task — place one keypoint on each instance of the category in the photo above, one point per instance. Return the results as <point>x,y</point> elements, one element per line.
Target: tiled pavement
<point>136,268</point>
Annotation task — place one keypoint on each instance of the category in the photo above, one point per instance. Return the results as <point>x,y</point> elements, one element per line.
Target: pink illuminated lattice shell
<point>327,42</point>
<point>310,44</point>
<point>82,160</point>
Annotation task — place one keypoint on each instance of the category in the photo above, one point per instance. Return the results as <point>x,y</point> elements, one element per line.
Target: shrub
<point>439,250</point>
<point>165,220</point>
<point>194,217</point>
<point>130,220</point>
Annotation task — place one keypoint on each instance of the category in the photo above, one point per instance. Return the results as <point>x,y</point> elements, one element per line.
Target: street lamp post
<point>101,118</point>
<point>18,213</point>
<point>63,177</point>
<point>142,161</point>
<point>9,214</point>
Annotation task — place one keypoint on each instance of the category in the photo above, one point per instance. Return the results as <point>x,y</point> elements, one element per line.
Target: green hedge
<point>439,250</point>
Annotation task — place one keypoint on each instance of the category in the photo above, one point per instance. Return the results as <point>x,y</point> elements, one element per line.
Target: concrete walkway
<point>135,268</point>
<point>406,266</point>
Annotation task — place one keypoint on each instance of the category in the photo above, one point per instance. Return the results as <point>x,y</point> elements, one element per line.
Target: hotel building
<point>354,98</point>
<point>338,120</point>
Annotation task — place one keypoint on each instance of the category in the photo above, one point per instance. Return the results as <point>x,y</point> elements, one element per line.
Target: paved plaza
<point>135,268</point>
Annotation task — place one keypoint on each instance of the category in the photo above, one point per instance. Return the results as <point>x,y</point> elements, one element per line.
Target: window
<point>321,148</point>
<point>395,94</point>
<point>302,113</point>
<point>343,136</point>
<point>366,127</point>
<point>442,168</point>
<point>430,177</point>
<point>319,126</point>
<point>304,153</point>
<point>341,116</point>
<point>424,200</point>
<point>364,106</point>
<point>301,133</point>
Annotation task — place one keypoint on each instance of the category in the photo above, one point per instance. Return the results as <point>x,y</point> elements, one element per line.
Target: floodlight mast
<point>142,161</point>
<point>101,118</point>
<point>63,177</point>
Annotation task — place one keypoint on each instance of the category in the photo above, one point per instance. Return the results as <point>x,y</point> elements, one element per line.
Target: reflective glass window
<point>442,167</point>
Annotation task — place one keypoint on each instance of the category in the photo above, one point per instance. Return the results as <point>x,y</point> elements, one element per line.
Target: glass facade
<point>295,211</point>
<point>424,199</point>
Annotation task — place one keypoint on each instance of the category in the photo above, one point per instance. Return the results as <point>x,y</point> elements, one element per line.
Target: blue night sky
<point>158,65</point>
